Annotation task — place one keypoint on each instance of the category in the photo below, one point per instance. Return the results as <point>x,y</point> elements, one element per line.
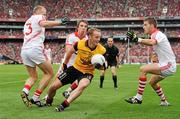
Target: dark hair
<point>151,21</point>
<point>110,37</point>
<point>78,22</point>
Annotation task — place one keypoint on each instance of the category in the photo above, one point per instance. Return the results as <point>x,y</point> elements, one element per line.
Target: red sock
<point>160,93</point>
<point>28,87</point>
<point>38,93</point>
<point>65,104</point>
<point>142,84</point>
<point>74,86</point>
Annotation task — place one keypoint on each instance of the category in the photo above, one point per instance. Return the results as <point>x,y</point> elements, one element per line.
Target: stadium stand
<point>113,17</point>
<point>91,8</point>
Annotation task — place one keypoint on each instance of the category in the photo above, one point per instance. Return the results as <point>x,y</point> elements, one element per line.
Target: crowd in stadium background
<point>9,9</point>
<point>91,8</point>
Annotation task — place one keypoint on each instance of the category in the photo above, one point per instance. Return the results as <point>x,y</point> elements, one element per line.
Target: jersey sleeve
<point>69,40</point>
<point>40,18</point>
<point>75,46</point>
<point>159,37</point>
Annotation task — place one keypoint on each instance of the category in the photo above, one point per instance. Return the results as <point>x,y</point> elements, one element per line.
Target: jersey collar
<point>86,44</point>
<point>77,35</point>
<point>154,30</point>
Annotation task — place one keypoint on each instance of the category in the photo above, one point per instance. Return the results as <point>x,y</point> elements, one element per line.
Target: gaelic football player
<point>164,68</point>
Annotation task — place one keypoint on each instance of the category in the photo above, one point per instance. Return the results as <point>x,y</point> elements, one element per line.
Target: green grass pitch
<point>94,103</point>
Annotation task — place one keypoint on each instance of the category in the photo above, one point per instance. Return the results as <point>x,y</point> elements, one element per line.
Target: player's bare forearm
<point>68,55</point>
<point>117,59</point>
<point>49,23</point>
<point>149,42</point>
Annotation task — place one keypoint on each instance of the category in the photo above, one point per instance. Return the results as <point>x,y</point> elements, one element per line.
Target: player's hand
<point>98,66</point>
<point>64,20</point>
<point>132,36</point>
<point>101,67</point>
<point>105,66</point>
<point>64,66</point>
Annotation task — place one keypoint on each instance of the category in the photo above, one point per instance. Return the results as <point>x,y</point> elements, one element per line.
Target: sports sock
<point>101,81</point>
<point>65,103</point>
<point>115,81</point>
<point>73,86</point>
<point>26,88</point>
<point>142,85</point>
<point>160,93</point>
<point>36,95</point>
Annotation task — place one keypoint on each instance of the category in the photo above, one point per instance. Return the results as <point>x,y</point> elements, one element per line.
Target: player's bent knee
<point>142,69</point>
<point>82,86</point>
<point>113,73</point>
<point>152,83</point>
<point>55,86</point>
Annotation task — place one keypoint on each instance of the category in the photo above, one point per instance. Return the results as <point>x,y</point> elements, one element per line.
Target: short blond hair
<point>37,8</point>
<point>91,30</point>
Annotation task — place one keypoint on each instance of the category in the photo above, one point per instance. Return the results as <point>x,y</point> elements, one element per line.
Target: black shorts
<point>111,63</point>
<point>71,74</point>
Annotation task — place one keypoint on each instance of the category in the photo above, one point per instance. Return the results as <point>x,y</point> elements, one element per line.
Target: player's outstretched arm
<point>133,38</point>
<point>64,20</point>
<point>68,55</point>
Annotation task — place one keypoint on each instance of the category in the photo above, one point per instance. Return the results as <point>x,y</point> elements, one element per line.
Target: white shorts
<point>48,54</point>
<point>32,57</point>
<point>167,69</point>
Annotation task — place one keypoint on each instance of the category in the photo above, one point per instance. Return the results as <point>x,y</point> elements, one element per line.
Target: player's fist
<point>101,67</point>
<point>132,36</point>
<point>64,20</point>
<point>64,66</point>
<point>105,65</point>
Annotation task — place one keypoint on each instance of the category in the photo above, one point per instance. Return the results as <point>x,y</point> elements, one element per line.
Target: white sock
<point>26,91</point>
<point>35,98</point>
<point>138,96</point>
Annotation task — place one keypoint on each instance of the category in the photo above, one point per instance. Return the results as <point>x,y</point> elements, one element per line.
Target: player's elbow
<point>153,42</point>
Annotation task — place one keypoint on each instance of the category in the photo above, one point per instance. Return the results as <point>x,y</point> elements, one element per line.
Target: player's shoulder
<point>101,48</point>
<point>71,36</point>
<point>161,35</point>
<point>37,16</point>
<point>158,33</point>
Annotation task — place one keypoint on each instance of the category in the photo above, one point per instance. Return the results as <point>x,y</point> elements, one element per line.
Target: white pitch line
<point>4,83</point>
<point>12,82</point>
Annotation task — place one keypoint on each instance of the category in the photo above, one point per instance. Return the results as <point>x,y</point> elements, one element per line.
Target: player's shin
<point>141,87</point>
<point>62,106</point>
<point>26,88</point>
<point>101,81</point>
<point>160,93</point>
<point>115,81</point>
<point>73,86</point>
<point>37,95</point>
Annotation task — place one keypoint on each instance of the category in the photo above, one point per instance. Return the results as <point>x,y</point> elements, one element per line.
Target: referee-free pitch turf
<point>94,103</point>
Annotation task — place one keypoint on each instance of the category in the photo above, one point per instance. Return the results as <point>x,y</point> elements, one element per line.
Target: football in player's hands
<point>98,61</point>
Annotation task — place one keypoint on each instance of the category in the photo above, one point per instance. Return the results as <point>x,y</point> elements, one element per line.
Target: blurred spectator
<point>91,8</point>
<point>138,53</point>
